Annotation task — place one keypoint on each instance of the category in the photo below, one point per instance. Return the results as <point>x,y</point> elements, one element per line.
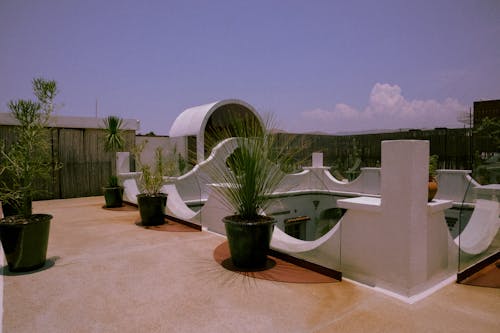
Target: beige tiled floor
<point>112,276</point>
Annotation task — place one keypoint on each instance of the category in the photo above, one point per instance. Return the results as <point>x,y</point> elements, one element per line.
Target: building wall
<point>483,109</point>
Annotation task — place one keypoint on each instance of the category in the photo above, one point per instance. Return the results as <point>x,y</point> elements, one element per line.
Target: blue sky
<point>330,66</point>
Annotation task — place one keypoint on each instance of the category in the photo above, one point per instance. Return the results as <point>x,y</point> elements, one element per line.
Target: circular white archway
<point>200,120</point>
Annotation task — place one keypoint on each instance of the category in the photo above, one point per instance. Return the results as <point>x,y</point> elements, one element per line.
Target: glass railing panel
<point>307,221</point>
<point>477,234</point>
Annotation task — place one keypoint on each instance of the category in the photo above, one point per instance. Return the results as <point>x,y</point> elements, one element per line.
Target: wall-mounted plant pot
<point>113,196</point>
<point>25,241</point>
<point>152,208</point>
<point>249,240</point>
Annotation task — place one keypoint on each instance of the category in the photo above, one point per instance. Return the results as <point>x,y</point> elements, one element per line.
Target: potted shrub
<point>151,201</point>
<point>24,236</point>
<point>113,193</point>
<point>113,142</point>
<point>251,173</point>
<point>433,185</point>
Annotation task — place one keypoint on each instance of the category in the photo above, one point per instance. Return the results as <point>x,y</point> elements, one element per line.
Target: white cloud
<point>387,109</point>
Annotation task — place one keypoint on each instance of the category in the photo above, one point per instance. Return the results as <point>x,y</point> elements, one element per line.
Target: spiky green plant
<point>113,140</point>
<point>253,170</point>
<point>113,181</point>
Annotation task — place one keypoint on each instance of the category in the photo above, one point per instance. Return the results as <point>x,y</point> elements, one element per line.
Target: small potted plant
<point>113,142</point>
<point>433,185</point>
<point>251,173</point>
<point>113,193</point>
<point>25,235</point>
<point>151,201</point>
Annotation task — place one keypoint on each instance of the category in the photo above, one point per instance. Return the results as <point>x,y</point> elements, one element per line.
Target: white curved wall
<point>192,122</point>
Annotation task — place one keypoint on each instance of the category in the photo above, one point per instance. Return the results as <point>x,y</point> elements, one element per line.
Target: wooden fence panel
<point>74,171</point>
<point>99,161</point>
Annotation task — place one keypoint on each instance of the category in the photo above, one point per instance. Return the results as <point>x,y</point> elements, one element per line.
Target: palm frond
<point>252,171</point>
<point>113,140</point>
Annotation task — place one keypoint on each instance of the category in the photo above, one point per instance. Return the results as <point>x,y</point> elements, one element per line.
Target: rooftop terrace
<point>109,275</point>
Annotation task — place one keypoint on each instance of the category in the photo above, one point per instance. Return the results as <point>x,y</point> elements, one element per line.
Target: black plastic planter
<point>152,208</point>
<point>113,196</point>
<point>25,241</point>
<point>249,241</point>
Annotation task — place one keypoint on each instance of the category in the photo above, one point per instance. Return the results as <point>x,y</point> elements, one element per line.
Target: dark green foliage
<point>45,91</point>
<point>348,167</point>
<point>181,164</point>
<point>490,128</point>
<point>152,175</point>
<point>113,140</point>
<point>29,159</point>
<point>433,165</point>
<point>113,181</point>
<point>253,170</point>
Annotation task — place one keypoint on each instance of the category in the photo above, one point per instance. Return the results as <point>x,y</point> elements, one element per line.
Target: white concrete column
<point>400,241</point>
<point>404,183</point>
<point>317,160</point>
<point>122,162</point>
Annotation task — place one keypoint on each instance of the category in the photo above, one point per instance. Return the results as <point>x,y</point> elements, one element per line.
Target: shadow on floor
<point>50,262</point>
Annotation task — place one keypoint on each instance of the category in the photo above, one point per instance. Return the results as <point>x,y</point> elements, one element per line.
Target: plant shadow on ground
<point>228,264</point>
<point>50,262</point>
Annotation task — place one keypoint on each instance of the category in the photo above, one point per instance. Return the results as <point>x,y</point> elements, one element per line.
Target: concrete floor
<point>112,276</point>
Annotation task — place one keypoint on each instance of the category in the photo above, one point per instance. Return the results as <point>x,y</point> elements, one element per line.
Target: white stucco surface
<point>192,122</point>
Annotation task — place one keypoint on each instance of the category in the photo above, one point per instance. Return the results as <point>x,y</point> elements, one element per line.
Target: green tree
<point>490,128</point>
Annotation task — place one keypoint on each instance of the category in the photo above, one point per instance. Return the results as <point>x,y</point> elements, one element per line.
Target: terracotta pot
<point>433,188</point>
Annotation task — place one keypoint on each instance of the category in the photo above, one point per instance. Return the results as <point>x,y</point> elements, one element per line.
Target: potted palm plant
<point>24,236</point>
<point>251,173</point>
<point>113,142</point>
<point>151,201</point>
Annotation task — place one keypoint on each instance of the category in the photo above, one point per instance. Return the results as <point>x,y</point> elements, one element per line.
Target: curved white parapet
<point>176,206</point>
<point>481,229</point>
<point>130,190</point>
<point>288,244</point>
<point>193,121</point>
<point>193,185</point>
<point>455,185</point>
<point>320,179</point>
